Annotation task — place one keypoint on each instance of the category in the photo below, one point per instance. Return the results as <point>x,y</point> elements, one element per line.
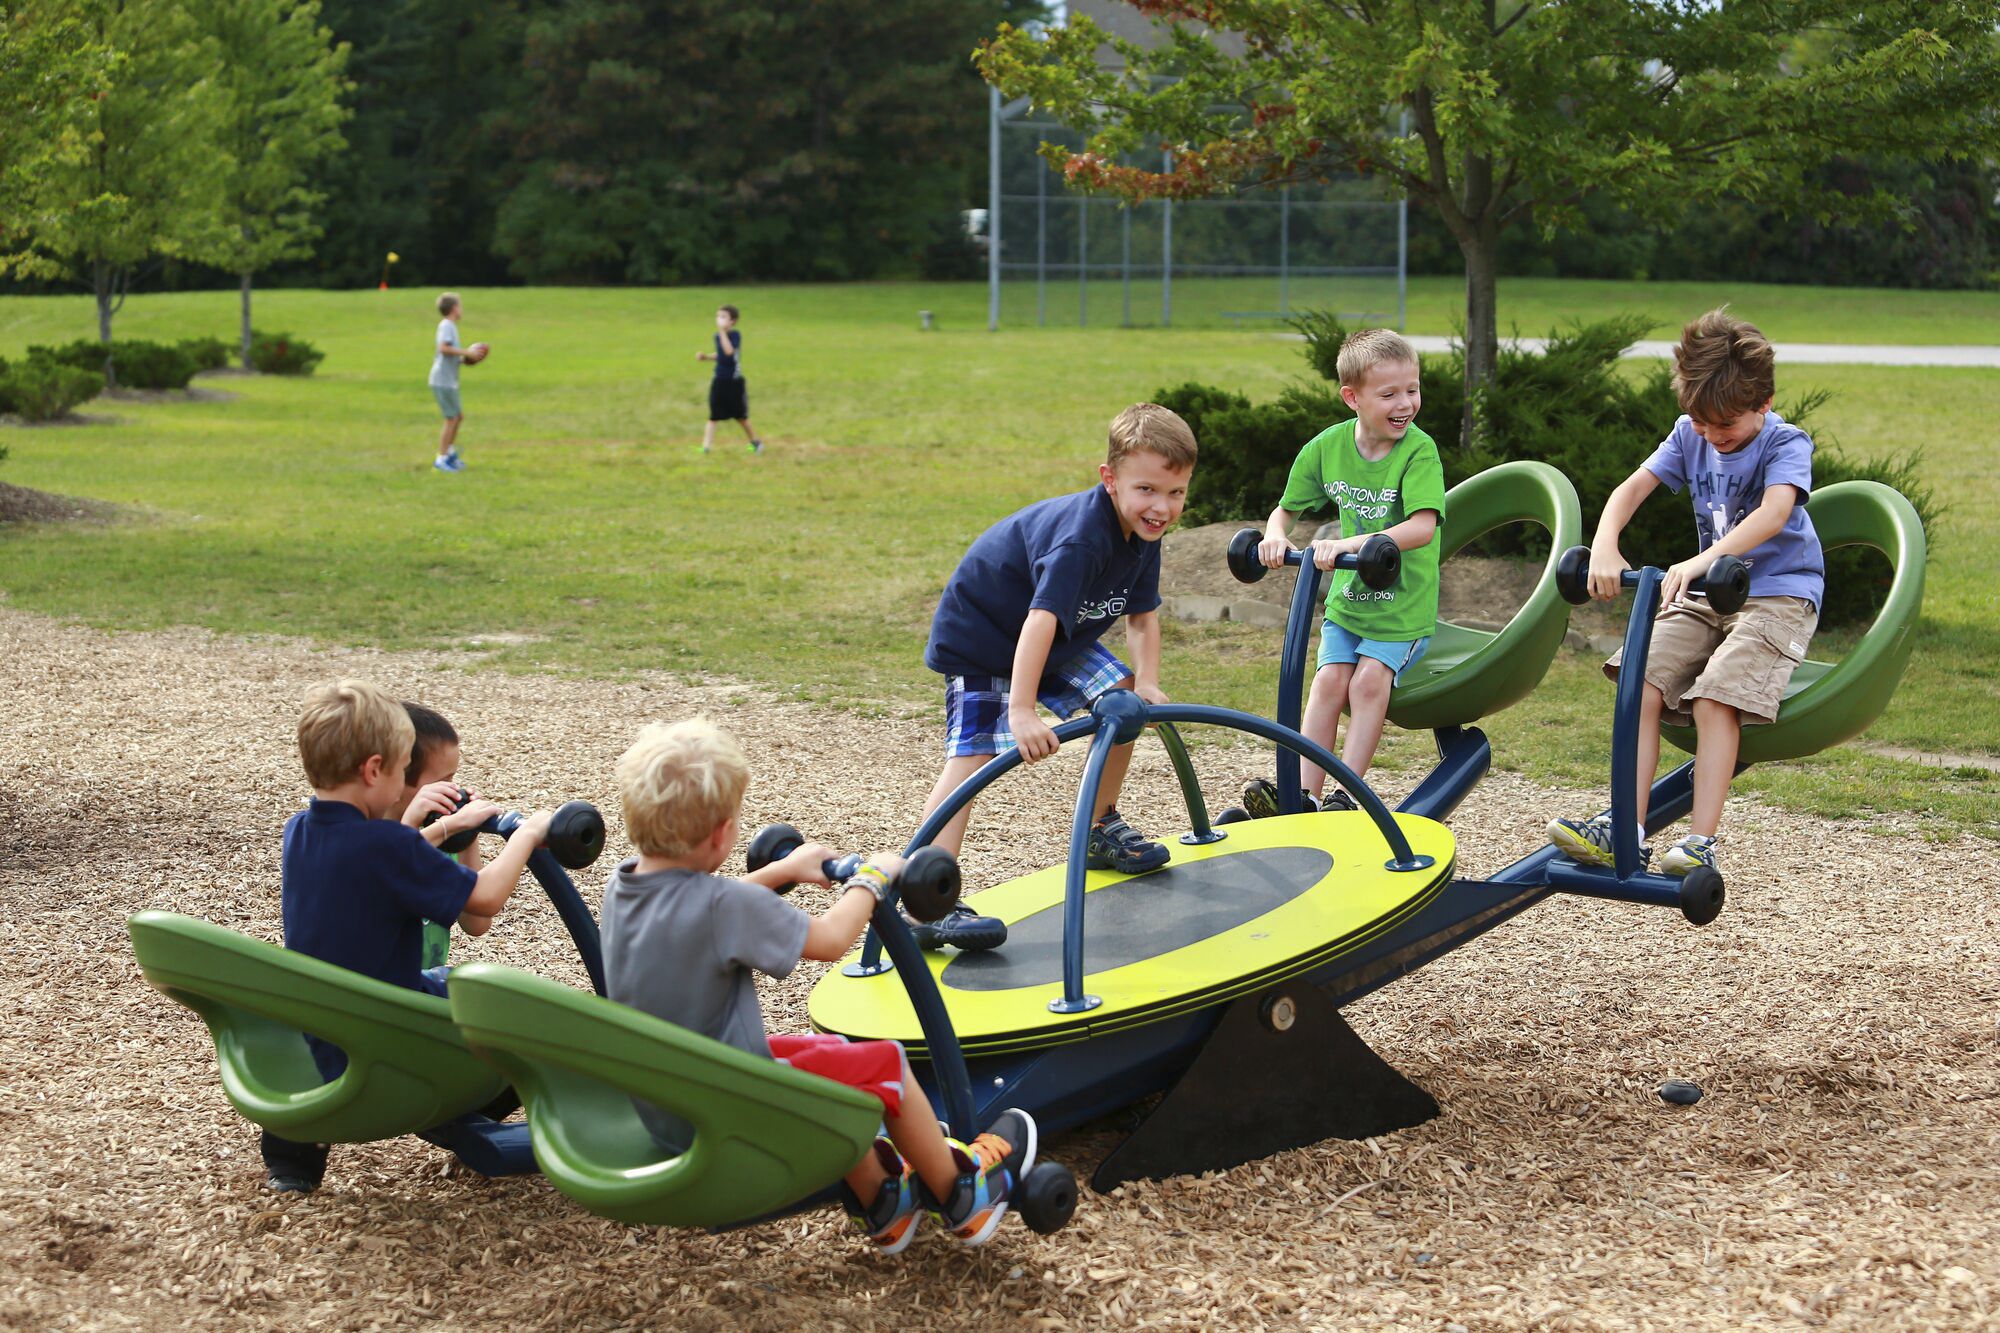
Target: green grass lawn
<point>591,535</point>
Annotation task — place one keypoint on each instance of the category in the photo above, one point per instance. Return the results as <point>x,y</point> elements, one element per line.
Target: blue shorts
<point>447,398</point>
<point>975,707</point>
<point>1339,644</point>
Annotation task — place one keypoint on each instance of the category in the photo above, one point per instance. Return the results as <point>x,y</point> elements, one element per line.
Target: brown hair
<point>1367,348</point>
<point>432,732</point>
<point>1723,367</point>
<point>345,722</point>
<point>678,783</point>
<point>1149,428</point>
<point>447,303</point>
<point>735,315</point>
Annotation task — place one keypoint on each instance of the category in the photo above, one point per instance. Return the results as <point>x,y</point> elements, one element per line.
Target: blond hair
<point>678,783</point>
<point>448,303</point>
<point>345,722</point>
<point>1367,348</point>
<point>1723,367</point>
<point>1148,428</point>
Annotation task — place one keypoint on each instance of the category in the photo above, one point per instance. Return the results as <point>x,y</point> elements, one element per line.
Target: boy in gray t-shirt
<point>444,379</point>
<point>682,943</point>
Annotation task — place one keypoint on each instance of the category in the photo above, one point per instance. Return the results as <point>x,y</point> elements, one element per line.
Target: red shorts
<point>873,1067</point>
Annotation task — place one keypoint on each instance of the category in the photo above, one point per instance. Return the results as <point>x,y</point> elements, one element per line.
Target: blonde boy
<point>1021,620</point>
<point>1748,471</point>
<point>1381,473</point>
<point>684,944</point>
<point>356,884</point>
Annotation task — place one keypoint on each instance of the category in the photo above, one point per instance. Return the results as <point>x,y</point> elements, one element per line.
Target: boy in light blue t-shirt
<point>1749,472</point>
<point>444,379</point>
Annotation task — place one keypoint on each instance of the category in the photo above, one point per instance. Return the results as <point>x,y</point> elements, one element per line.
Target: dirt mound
<point>19,504</point>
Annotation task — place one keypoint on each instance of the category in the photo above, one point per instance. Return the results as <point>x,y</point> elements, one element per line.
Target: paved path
<point>1863,354</point>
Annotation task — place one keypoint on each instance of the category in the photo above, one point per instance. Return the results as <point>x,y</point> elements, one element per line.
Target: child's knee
<point>1371,684</point>
<point>1330,682</point>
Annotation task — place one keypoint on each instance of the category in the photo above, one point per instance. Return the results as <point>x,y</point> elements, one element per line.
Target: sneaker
<point>891,1221</point>
<point>1691,851</point>
<point>1588,841</point>
<point>453,458</point>
<point>756,446</point>
<point>1261,797</point>
<point>992,1167</point>
<point>289,1184</point>
<point>443,463</point>
<point>1116,845</point>
<point>1342,799</point>
<point>961,928</point>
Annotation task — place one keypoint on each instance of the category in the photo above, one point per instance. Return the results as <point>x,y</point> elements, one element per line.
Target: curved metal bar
<point>871,948</point>
<point>1200,830</point>
<point>569,904</point>
<point>1364,795</point>
<point>1073,999</point>
<point>940,1038</point>
<point>1625,720</point>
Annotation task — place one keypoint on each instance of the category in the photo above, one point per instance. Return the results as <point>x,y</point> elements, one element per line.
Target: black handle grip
<point>1379,562</point>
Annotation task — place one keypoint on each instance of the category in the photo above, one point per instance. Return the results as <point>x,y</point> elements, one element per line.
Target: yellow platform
<point>1277,898</point>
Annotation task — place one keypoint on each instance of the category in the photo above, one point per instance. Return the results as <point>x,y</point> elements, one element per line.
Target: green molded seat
<point>766,1135</point>
<point>407,1067</point>
<point>1827,703</point>
<point>1469,673</point>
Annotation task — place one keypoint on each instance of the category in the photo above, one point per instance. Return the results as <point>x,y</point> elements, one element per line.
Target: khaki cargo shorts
<point>1744,660</point>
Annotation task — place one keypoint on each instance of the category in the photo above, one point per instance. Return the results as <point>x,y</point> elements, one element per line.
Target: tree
<point>1521,109</point>
<point>51,72</point>
<point>720,138</point>
<point>151,175</point>
<point>281,85</point>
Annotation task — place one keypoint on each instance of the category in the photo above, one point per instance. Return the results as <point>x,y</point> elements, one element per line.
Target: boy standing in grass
<point>1020,621</point>
<point>444,379</point>
<point>728,392</point>
<point>1748,471</point>
<point>685,944</point>
<point>1382,474</point>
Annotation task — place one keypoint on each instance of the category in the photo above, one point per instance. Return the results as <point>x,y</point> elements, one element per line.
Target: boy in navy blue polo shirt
<point>358,884</point>
<point>1029,602</point>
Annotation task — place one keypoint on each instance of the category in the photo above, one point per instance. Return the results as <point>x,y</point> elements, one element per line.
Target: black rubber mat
<point>1145,917</point>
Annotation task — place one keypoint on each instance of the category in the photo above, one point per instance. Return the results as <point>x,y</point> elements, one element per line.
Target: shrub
<point>1571,406</point>
<point>206,353</point>
<point>282,354</point>
<point>139,365</point>
<point>42,390</point>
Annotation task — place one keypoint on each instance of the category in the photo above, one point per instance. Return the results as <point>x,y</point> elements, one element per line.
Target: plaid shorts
<point>975,707</point>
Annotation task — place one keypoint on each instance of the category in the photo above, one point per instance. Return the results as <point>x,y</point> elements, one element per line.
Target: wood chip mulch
<point>1842,1170</point>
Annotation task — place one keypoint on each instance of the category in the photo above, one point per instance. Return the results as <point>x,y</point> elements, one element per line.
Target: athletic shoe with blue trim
<point>961,928</point>
<point>1691,851</point>
<point>993,1166</point>
<point>443,463</point>
<point>1588,841</point>
<point>1116,845</point>
<point>891,1221</point>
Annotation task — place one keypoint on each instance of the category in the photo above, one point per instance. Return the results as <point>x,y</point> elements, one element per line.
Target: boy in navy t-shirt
<point>728,392</point>
<point>1029,602</point>
<point>358,884</point>
<point>1749,472</point>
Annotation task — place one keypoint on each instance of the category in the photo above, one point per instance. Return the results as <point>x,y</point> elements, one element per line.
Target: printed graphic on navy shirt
<point>1725,488</point>
<point>1066,556</point>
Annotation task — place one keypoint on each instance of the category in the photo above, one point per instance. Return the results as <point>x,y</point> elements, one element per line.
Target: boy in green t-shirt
<point>1383,475</point>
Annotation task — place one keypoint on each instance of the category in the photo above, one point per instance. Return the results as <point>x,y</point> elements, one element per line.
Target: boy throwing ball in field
<point>444,379</point>
<point>728,392</point>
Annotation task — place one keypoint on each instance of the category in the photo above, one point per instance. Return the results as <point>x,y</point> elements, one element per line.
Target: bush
<point>1569,406</point>
<point>42,390</point>
<point>206,353</point>
<point>282,354</point>
<point>139,365</point>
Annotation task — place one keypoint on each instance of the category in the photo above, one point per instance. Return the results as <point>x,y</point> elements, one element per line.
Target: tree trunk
<point>1481,247</point>
<point>246,321</point>
<point>101,275</point>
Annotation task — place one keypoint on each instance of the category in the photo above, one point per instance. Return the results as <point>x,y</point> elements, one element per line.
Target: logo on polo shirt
<point>1110,608</point>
